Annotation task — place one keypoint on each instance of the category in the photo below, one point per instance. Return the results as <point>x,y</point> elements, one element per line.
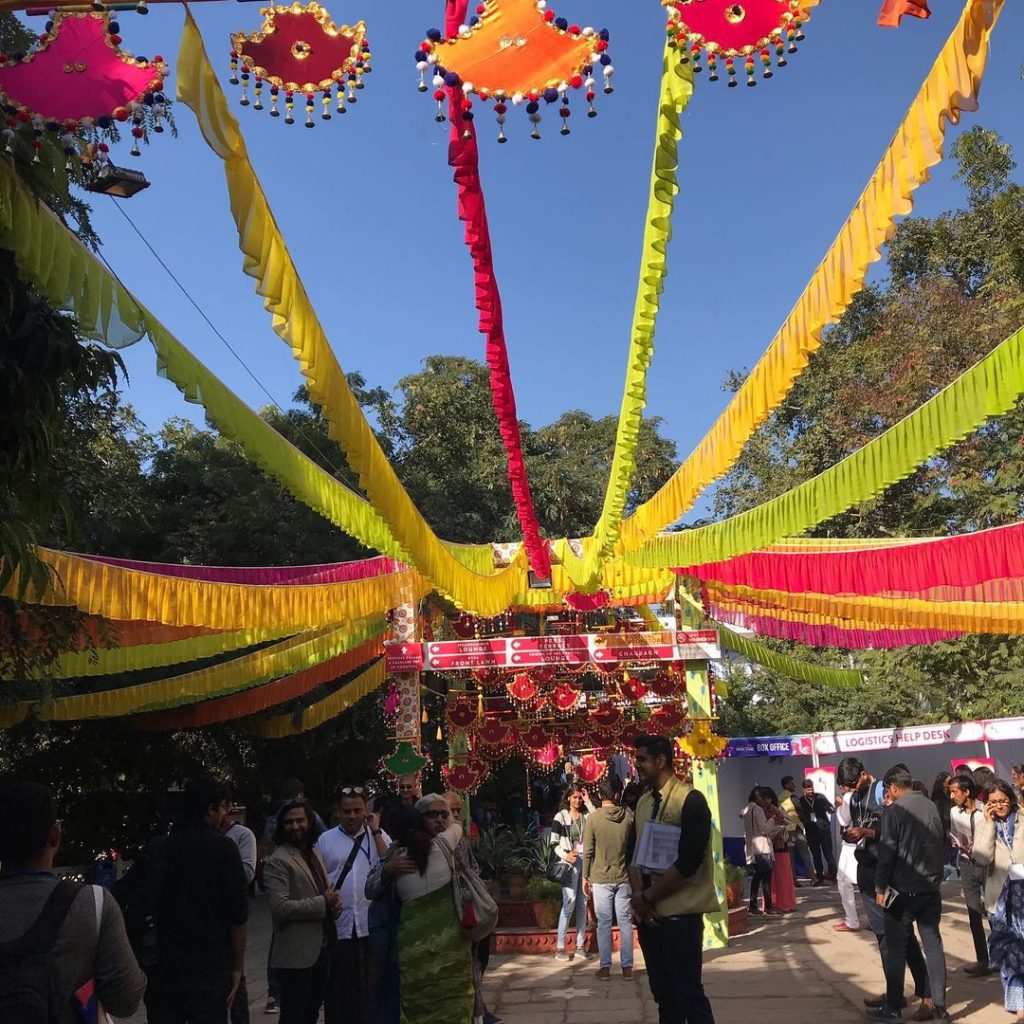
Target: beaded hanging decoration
<point>78,81</point>
<point>300,52</point>
<point>744,37</point>
<point>515,53</point>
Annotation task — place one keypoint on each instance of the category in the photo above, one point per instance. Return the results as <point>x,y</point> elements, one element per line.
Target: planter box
<point>738,921</point>
<point>534,940</point>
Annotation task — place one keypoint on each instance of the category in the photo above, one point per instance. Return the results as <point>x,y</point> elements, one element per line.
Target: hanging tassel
<point>712,67</point>
<point>439,736</point>
<point>288,105</point>
<point>245,87</point>
<point>564,115</point>
<point>325,100</point>
<point>341,108</point>
<point>274,112</point>
<point>234,68</point>
<point>423,717</point>
<point>499,109</point>
<point>257,91</point>
<point>310,123</point>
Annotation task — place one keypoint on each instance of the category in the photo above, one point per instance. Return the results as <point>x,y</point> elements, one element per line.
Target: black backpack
<point>28,970</point>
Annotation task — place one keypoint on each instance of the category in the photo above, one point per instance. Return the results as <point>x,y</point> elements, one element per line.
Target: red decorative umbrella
<point>748,33</point>
<point>298,49</point>
<point>78,78</point>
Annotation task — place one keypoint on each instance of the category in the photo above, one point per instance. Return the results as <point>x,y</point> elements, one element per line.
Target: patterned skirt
<point>435,962</point>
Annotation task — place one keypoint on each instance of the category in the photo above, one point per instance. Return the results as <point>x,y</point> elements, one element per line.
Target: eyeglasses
<point>998,803</point>
<point>353,791</point>
<point>437,814</point>
<point>456,810</point>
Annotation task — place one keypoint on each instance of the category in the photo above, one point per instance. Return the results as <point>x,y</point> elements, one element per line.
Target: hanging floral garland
<point>299,50</point>
<point>77,79</point>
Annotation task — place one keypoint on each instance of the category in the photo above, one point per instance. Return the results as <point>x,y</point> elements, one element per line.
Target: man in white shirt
<point>349,852</point>
<point>235,829</point>
<point>963,819</point>
<point>846,874</point>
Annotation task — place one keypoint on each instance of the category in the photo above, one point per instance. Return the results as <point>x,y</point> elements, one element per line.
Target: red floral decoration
<point>298,49</point>
<point>591,770</point>
<point>606,715</point>
<point>564,698</point>
<point>462,713</point>
<point>77,78</point>
<point>745,35</point>
<point>514,52</point>
<point>467,777</point>
<point>522,688</point>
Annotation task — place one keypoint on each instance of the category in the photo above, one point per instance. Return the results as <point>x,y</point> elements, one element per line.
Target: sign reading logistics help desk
<point>892,739</point>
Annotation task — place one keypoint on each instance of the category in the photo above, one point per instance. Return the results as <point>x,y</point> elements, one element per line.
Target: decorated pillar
<point>407,757</point>
<point>705,776</point>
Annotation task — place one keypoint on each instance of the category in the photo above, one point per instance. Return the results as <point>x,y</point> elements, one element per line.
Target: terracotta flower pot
<point>734,894</point>
<point>516,885</point>
<point>546,912</point>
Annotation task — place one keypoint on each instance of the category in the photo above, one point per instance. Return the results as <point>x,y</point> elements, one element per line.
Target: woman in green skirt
<point>433,950</point>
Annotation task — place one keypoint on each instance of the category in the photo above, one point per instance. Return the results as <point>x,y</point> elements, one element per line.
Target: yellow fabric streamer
<point>268,262</point>
<point>243,673</point>
<point>114,660</point>
<point>118,593</point>
<point>277,726</point>
<point>951,87</point>
<point>674,98</point>
<point>855,612</point>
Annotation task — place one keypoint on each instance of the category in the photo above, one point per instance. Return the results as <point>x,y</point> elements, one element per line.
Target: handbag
<point>475,908</point>
<point>560,871</point>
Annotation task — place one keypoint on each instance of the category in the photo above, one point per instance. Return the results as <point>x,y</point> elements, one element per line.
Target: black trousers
<point>351,983</point>
<point>924,910</point>
<point>301,991</point>
<point>820,842</point>
<point>915,958</point>
<point>762,880</point>
<point>673,952</point>
<point>188,998</point>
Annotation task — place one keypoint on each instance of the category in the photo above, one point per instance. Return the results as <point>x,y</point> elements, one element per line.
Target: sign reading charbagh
<point>536,651</point>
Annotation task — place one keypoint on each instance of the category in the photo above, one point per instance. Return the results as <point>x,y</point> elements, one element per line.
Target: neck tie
<point>657,803</point>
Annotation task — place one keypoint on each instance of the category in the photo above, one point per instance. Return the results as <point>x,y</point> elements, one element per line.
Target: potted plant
<point>492,847</point>
<point>522,860</point>
<point>546,897</point>
<point>734,878</point>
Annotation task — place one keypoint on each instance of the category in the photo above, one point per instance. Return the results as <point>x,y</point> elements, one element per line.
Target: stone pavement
<point>787,970</point>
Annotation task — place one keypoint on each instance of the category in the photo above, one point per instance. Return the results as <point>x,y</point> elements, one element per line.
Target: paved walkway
<point>787,970</point>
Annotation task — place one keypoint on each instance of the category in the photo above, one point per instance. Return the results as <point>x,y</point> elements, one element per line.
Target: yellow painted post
<point>705,779</point>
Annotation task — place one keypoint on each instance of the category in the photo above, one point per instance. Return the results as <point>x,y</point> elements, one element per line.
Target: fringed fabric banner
<point>125,594</point>
<point>269,263</point>
<point>115,660</point>
<point>238,705</point>
<point>990,388</point>
<point>676,92</point>
<point>847,637</point>
<point>792,668</point>
<point>242,673</point>
<point>946,568</point>
<point>279,726</point>
<point>951,87</point>
<point>264,575</point>
<point>1004,617</point>
<point>464,159</point>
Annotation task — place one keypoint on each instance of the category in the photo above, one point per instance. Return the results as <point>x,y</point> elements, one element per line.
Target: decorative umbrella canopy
<point>515,51</point>
<point>298,49</point>
<point>78,77</point>
<point>750,32</point>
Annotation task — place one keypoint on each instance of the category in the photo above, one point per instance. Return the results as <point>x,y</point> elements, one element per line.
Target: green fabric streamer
<point>990,388</point>
<point>792,668</point>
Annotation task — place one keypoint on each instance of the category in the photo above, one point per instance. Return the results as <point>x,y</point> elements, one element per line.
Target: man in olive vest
<point>673,889</point>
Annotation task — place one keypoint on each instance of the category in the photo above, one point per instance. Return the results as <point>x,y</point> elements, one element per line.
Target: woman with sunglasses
<point>434,952</point>
<point>999,848</point>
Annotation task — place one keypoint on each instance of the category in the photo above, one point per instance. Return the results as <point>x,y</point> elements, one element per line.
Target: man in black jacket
<point>814,810</point>
<point>910,860</point>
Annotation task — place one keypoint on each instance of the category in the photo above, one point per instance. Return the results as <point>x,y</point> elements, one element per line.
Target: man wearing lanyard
<point>349,853</point>
<point>669,905</point>
<point>963,820</point>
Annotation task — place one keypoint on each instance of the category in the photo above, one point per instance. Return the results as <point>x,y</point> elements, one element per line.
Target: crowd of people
<point>374,914</point>
<point>888,844</point>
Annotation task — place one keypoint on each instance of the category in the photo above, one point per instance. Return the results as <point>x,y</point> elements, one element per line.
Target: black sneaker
<point>884,1013</point>
<point>880,1001</point>
<point>940,1013</point>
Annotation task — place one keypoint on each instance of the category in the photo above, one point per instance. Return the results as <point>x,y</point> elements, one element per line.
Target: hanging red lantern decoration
<point>746,37</point>
<point>536,737</point>
<point>633,689</point>
<point>667,718</point>
<point>547,757</point>
<point>591,769</point>
<point>564,698</point>
<point>77,78</point>
<point>606,715</point>
<point>465,778</point>
<point>462,713</point>
<point>522,688</point>
<point>298,50</point>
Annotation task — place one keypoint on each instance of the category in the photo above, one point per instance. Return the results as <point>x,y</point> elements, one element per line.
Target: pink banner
<point>893,739</point>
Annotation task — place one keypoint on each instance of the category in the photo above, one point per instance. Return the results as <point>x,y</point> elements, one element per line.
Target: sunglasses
<point>437,814</point>
<point>353,791</point>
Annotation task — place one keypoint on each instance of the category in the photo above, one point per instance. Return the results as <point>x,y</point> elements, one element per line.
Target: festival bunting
<point>792,668</point>
<point>951,87</point>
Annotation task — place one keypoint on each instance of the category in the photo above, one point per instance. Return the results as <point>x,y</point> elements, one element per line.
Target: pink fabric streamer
<point>950,563</point>
<point>828,635</point>
<point>464,159</point>
<point>264,575</point>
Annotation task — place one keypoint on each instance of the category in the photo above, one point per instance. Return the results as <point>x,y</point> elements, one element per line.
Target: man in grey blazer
<point>303,907</point>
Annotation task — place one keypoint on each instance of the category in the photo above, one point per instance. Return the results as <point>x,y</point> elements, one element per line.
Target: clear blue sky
<point>366,202</point>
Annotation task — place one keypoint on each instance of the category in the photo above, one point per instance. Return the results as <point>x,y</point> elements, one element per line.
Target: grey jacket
<point>991,854</point>
<point>297,907</point>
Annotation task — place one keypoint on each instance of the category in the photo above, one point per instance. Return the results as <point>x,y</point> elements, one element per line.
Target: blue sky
<point>366,202</point>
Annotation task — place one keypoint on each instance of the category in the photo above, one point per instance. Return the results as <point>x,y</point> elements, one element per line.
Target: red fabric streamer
<point>464,159</point>
<point>893,11</point>
<point>237,705</point>
<point>264,575</point>
<point>903,570</point>
<point>828,635</point>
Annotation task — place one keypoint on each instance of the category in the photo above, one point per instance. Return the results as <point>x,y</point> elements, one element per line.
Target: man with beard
<point>302,907</point>
<point>867,805</point>
<point>349,853</point>
<point>669,905</point>
<point>964,820</point>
